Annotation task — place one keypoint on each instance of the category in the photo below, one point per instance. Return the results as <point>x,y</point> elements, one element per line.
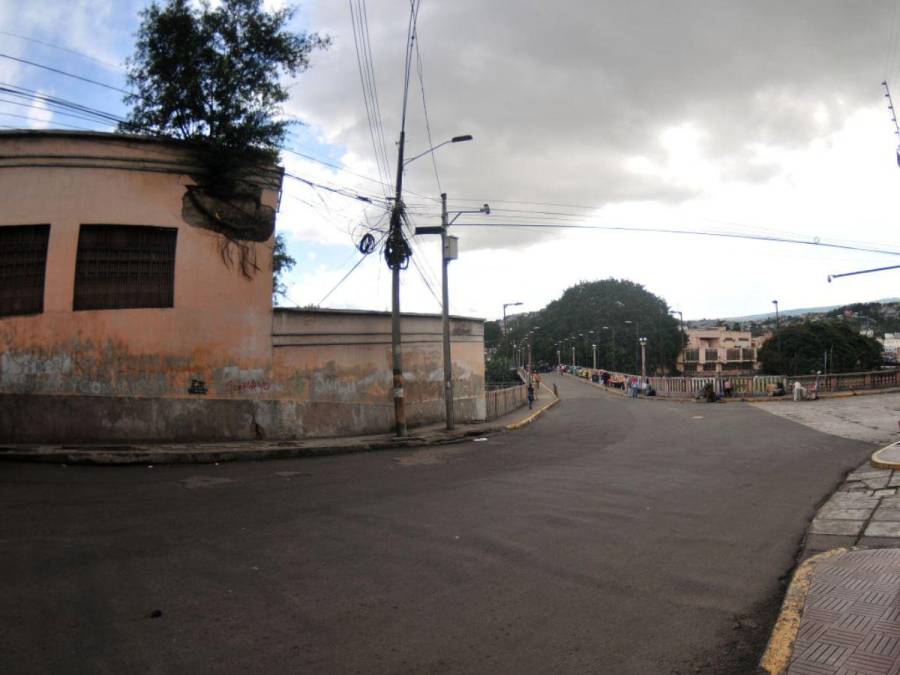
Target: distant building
<point>890,344</point>
<point>718,351</point>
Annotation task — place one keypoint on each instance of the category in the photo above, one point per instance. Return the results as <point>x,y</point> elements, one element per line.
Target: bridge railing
<point>748,386</point>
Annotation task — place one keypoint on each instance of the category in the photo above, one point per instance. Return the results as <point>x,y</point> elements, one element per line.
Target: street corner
<point>781,646</point>
<point>887,457</point>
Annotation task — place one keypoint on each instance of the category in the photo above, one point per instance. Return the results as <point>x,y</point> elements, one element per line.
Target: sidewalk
<point>207,453</point>
<point>841,613</point>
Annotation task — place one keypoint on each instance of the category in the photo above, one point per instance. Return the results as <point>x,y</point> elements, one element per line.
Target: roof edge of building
<point>369,312</point>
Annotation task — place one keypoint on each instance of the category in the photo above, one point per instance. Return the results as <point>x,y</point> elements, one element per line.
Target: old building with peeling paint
<point>136,305</point>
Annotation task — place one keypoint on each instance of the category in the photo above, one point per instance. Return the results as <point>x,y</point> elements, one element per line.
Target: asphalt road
<point>610,536</point>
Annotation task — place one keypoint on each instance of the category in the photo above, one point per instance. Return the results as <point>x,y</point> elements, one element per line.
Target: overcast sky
<point>764,118</point>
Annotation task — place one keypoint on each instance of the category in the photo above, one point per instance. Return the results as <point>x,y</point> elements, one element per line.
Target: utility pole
<point>395,234</point>
<point>445,300</point>
<point>449,252</point>
<point>778,333</point>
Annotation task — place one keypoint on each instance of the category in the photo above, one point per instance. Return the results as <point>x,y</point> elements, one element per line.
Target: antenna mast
<point>887,95</point>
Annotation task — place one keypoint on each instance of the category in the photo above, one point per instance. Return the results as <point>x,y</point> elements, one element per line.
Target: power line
<point>67,74</point>
<point>349,272</point>
<point>704,233</point>
<point>64,49</point>
<point>425,110</point>
<point>31,119</point>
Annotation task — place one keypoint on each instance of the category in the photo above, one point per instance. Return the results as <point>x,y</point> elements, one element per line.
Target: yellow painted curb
<point>537,413</point>
<point>877,462</point>
<point>777,657</point>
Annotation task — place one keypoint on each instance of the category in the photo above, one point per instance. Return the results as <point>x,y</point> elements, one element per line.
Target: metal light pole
<point>505,305</point>
<point>448,253</point>
<point>594,350</point>
<point>778,333</point>
<point>573,355</point>
<point>682,335</point>
<point>643,342</point>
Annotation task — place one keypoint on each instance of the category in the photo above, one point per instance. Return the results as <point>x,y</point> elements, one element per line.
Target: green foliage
<point>282,262</point>
<point>214,74</point>
<point>589,306</point>
<point>499,370</point>
<point>803,346</point>
<point>493,333</point>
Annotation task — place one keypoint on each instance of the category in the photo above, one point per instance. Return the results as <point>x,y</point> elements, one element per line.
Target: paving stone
<point>876,483</point>
<point>847,527</point>
<point>895,480</point>
<point>817,543</point>
<point>877,542</point>
<point>887,492</point>
<point>854,500</point>
<point>891,502</point>
<point>869,475</point>
<point>883,529</point>
<point>849,623</point>
<point>883,513</point>
<point>840,513</point>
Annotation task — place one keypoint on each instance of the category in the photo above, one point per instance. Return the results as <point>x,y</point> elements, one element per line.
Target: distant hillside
<point>879,316</point>
<point>798,312</point>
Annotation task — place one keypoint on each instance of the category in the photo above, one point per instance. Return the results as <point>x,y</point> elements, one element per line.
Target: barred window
<point>710,354</point>
<point>123,266</point>
<point>23,262</point>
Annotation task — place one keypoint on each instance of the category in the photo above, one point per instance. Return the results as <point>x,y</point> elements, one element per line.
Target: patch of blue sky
<point>308,140</point>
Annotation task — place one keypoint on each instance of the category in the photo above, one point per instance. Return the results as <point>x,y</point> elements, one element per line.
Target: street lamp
<point>505,305</point>
<point>448,253</point>
<point>643,342</point>
<point>594,350</point>
<point>455,139</point>
<point>396,227</point>
<point>778,333</point>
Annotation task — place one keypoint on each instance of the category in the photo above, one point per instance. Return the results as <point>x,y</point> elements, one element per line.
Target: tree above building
<point>214,74</point>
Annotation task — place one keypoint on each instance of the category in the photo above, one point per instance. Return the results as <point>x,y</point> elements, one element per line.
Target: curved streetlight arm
<point>455,139</point>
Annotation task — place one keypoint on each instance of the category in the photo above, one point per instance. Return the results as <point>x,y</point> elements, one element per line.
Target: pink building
<point>712,351</point>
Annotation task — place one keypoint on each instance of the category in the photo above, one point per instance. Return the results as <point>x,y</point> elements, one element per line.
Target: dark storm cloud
<point>561,96</point>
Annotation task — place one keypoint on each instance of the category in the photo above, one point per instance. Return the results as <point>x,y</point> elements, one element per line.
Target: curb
<point>878,462</point>
<point>777,657</point>
<point>123,457</point>
<point>131,454</point>
<point>537,413</point>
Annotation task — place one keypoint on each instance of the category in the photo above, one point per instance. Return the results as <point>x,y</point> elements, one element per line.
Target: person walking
<point>530,395</point>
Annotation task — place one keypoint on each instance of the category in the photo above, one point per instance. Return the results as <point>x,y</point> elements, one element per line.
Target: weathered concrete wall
<point>217,331</point>
<point>336,367</point>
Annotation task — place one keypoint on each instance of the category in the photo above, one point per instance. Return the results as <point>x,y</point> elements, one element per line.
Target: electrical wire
<point>704,233</point>
<point>67,74</point>
<point>347,275</point>
<point>64,49</point>
<point>437,178</point>
<point>366,72</point>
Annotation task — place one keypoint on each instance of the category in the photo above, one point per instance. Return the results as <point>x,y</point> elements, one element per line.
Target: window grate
<point>125,266</point>
<point>23,264</point>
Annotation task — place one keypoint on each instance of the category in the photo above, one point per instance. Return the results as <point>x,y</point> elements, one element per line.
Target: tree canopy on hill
<point>803,347</point>
<point>611,314</point>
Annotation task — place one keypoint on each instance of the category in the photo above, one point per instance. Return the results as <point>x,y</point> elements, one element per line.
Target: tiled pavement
<point>865,511</point>
<point>851,618</point>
